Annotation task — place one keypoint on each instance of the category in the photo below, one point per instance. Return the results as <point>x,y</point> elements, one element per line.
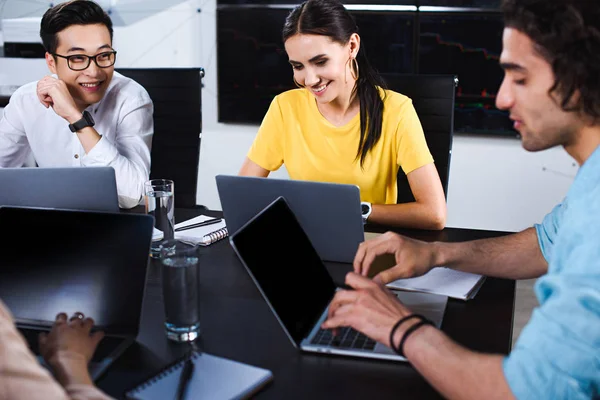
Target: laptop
<point>75,188</point>
<point>67,261</point>
<point>298,288</point>
<point>326,211</point>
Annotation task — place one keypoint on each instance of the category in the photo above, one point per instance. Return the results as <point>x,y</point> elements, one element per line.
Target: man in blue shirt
<point>551,57</point>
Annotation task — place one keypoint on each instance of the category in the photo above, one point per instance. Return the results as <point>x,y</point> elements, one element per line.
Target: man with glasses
<point>84,114</point>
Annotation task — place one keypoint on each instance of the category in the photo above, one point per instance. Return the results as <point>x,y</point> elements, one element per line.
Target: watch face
<point>364,209</point>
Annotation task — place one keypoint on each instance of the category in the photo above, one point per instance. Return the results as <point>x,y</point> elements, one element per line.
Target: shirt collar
<point>588,175</point>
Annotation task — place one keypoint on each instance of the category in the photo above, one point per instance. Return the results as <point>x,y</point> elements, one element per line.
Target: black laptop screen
<point>70,261</point>
<point>286,267</point>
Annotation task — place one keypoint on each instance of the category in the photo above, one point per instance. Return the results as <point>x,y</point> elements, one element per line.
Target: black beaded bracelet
<point>395,327</point>
<point>410,330</point>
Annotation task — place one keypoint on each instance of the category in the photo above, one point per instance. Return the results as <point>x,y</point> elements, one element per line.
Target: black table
<point>236,323</point>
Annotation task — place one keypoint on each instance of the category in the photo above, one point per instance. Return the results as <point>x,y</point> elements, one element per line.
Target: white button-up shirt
<point>123,118</point>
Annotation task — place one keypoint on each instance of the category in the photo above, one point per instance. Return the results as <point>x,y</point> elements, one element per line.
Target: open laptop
<point>91,262</point>
<point>298,288</point>
<point>329,213</point>
<point>75,188</point>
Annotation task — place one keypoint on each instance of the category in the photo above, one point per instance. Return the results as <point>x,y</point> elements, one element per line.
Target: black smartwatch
<point>84,122</point>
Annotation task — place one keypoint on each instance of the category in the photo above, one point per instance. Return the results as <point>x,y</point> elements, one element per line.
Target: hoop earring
<point>297,84</point>
<point>354,68</point>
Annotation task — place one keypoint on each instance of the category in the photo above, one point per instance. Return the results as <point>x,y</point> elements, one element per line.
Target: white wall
<point>494,183</point>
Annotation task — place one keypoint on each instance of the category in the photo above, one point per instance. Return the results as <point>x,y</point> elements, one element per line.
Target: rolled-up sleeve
<point>557,354</point>
<point>548,230</point>
<point>129,154</point>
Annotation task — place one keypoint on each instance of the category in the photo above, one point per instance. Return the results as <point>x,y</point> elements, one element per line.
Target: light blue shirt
<point>557,355</point>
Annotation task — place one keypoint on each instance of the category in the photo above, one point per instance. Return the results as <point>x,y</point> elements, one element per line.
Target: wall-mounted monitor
<point>463,39</point>
<point>253,66</point>
<point>221,3</point>
<point>486,4</point>
<point>469,46</point>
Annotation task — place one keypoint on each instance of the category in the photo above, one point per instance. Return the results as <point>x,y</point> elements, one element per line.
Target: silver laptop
<point>75,188</point>
<point>86,261</point>
<point>298,288</point>
<point>329,213</point>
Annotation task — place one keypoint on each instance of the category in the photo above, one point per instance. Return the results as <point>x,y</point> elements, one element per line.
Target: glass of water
<point>160,203</point>
<point>180,290</point>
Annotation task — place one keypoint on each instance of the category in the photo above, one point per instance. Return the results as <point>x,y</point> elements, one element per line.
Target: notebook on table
<point>456,284</point>
<point>445,281</point>
<point>203,235</point>
<point>214,378</point>
<point>273,247</point>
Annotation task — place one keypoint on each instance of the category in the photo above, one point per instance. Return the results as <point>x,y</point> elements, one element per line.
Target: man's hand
<point>413,257</point>
<point>370,309</point>
<point>54,93</point>
<point>69,347</point>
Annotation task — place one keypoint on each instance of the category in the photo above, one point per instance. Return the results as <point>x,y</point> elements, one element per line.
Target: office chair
<point>433,99</point>
<point>175,153</point>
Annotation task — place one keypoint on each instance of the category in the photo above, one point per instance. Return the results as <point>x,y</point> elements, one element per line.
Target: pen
<point>199,224</point>
<point>184,379</point>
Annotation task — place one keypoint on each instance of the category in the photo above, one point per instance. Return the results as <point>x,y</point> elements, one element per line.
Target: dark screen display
<point>469,46</point>
<point>66,261</point>
<point>294,3</point>
<point>253,65</point>
<point>286,267</point>
<point>493,4</point>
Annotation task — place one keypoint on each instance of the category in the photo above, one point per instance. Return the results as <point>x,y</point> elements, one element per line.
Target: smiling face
<point>524,92</point>
<point>321,65</point>
<point>87,86</point>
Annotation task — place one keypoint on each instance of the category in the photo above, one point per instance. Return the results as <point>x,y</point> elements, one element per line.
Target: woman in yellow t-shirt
<point>342,125</point>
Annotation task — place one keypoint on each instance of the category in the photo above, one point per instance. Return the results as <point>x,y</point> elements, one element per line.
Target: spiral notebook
<point>204,235</point>
<point>213,378</point>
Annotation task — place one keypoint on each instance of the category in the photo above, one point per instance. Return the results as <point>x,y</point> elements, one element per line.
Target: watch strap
<point>85,121</point>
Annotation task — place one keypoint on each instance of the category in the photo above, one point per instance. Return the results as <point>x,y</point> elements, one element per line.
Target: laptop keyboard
<point>347,338</point>
<point>105,347</point>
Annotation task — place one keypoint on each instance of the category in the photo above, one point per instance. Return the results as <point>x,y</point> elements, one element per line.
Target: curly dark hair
<point>567,34</point>
<point>74,12</point>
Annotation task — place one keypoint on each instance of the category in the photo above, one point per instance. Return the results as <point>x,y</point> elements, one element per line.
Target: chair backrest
<point>433,99</point>
<point>176,95</point>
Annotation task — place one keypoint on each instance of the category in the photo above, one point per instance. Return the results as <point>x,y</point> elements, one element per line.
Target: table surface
<point>236,323</point>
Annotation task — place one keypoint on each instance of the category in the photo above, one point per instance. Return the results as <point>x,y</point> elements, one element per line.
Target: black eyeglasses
<point>79,62</point>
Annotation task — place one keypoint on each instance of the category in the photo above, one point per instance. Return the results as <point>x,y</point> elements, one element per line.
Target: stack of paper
<point>445,281</point>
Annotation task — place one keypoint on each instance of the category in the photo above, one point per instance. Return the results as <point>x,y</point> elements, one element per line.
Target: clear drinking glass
<point>159,196</point>
<point>180,290</point>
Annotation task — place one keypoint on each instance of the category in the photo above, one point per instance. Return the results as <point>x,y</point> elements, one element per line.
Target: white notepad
<point>204,235</point>
<point>445,281</point>
<point>213,378</point>
<point>441,280</point>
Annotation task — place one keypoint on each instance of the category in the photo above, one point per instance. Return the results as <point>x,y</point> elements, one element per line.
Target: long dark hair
<point>330,18</point>
<point>567,34</point>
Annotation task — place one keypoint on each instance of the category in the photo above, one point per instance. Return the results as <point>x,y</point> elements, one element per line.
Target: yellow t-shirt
<point>295,133</point>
